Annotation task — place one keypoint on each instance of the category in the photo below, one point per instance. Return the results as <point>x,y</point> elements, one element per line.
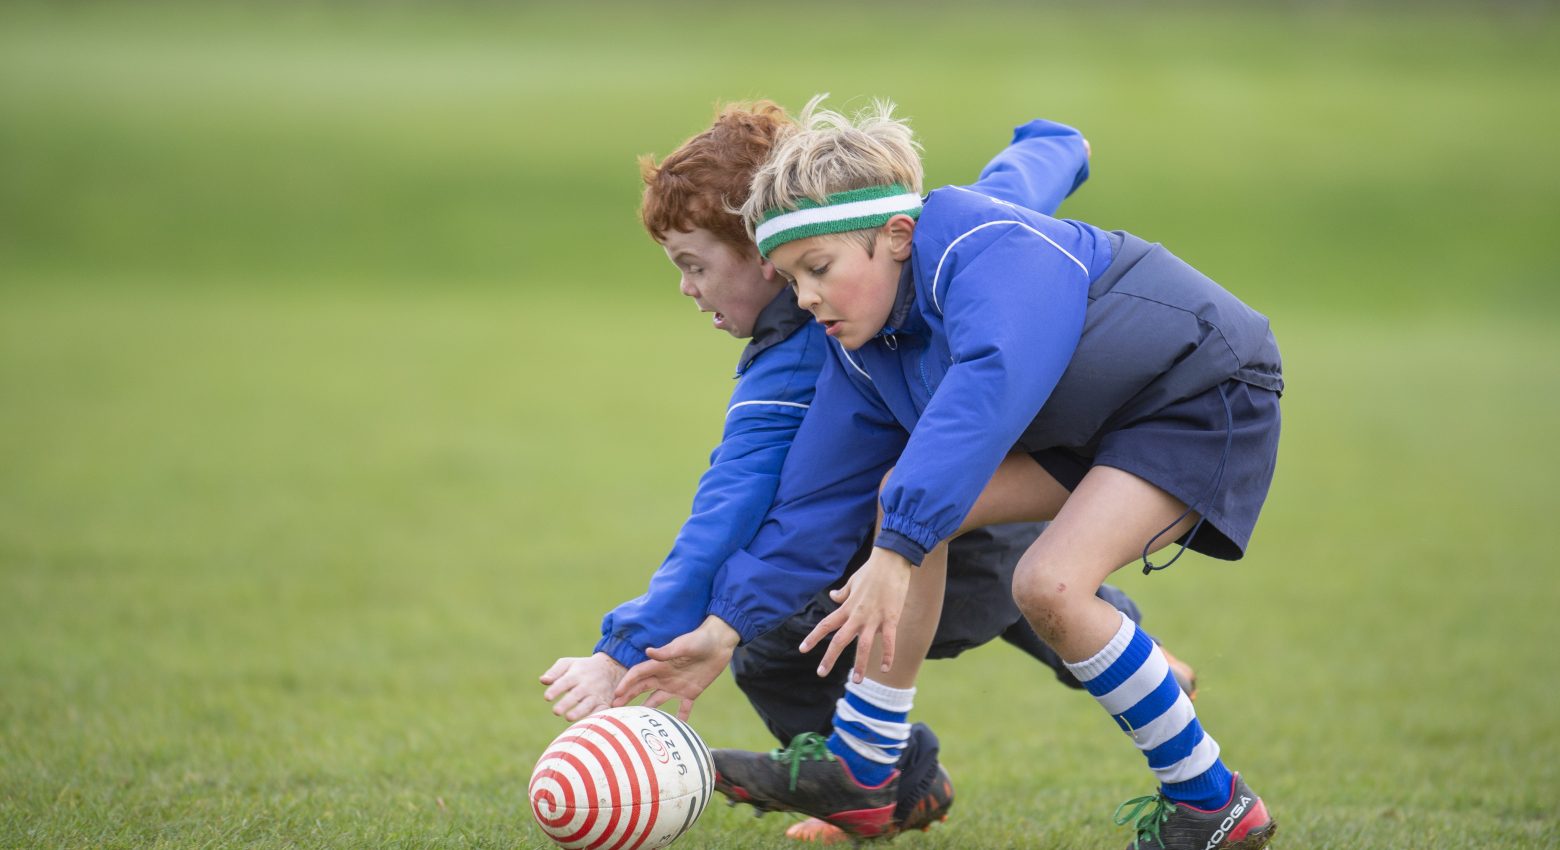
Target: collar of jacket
<point>775,323</point>
<point>904,319</point>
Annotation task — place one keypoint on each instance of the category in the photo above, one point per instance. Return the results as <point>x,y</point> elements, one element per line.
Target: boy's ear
<point>900,229</point>
<point>766,268</point>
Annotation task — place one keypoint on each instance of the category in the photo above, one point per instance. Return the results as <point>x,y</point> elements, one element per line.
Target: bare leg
<point>1101,527</point>
<point>1022,491</point>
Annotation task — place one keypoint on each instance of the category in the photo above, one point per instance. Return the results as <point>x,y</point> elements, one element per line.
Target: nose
<point>685,286</point>
<point>807,297</point>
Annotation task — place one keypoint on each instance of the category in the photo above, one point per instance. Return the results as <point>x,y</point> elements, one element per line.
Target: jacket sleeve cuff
<point>735,617</point>
<point>896,542</point>
<point>621,650</point>
<point>907,537</point>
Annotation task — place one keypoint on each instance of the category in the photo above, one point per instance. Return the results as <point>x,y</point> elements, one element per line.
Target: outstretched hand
<point>580,687</point>
<point>870,606</point>
<point>681,669</point>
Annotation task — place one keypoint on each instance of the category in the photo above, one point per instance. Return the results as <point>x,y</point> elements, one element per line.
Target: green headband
<point>857,209</point>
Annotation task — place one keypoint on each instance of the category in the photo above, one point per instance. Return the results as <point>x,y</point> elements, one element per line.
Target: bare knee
<point>1044,592</point>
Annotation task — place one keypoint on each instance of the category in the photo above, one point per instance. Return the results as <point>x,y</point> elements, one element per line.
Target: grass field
<point>340,393</point>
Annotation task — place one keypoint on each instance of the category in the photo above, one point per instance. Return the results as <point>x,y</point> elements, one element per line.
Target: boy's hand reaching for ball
<point>682,669</point>
<point>870,605</point>
<point>580,687</point>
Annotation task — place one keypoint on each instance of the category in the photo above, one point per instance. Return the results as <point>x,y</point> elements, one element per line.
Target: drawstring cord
<point>1218,478</point>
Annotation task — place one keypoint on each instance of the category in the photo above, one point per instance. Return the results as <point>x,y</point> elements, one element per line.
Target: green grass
<point>339,394</point>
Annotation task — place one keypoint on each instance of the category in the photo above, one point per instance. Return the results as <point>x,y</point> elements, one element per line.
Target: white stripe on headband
<point>833,218</point>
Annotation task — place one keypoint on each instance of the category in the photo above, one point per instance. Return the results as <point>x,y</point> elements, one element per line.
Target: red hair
<point>697,185</point>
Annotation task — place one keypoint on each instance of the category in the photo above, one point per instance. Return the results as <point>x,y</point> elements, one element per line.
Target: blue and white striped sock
<point>870,729</point>
<point>1132,680</point>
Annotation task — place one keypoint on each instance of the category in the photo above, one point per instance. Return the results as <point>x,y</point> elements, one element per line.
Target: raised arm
<point>1045,163</point>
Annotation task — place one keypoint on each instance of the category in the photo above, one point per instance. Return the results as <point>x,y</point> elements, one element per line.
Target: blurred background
<point>341,392</point>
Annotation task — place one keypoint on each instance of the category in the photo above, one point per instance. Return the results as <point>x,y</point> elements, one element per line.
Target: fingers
<point>560,686</point>
<point>868,637</point>
<point>837,645</point>
<point>621,699</point>
<point>576,696</point>
<point>558,668</point>
<point>631,686</point>
<point>566,705</point>
<point>679,647</point>
<point>825,626</point>
<point>643,677</point>
<point>584,708</point>
<point>660,698</point>
<point>864,647</point>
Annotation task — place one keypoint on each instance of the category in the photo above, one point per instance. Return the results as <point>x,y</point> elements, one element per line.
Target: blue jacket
<point>776,378</point>
<point>1010,329</point>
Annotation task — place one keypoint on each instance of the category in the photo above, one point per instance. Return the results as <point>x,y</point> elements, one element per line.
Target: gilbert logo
<point>1229,823</point>
<point>657,749</point>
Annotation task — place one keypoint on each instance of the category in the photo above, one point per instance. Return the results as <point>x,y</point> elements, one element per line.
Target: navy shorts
<point>1219,461</point>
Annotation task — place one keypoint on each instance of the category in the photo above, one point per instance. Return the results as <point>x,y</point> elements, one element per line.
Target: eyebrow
<point>681,256</point>
<point>806,259</point>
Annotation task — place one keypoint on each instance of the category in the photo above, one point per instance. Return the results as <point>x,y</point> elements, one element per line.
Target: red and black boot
<point>805,777</point>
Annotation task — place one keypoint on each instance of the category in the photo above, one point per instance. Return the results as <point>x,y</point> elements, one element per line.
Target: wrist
<point>893,557</point>
<point>721,632</point>
<point>617,666</point>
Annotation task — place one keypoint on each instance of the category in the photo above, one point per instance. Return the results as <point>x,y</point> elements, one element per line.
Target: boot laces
<point>1151,812</point>
<point>808,746</point>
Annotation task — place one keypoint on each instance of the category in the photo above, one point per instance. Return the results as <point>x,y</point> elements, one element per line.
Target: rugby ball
<point>629,778</point>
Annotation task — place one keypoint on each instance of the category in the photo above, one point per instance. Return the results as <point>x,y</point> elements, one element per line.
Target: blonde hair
<point>828,153</point>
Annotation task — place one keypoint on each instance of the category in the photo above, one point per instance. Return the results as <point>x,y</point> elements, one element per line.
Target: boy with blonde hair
<point>996,365</point>
<point>685,209</point>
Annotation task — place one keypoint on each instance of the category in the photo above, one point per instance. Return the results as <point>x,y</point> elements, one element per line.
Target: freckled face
<point>722,280</point>
<point>848,291</point>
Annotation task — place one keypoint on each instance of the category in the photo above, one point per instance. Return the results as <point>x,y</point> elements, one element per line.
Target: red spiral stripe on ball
<point>558,778</point>
<point>655,786</point>
<point>566,783</point>
<point>608,775</point>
